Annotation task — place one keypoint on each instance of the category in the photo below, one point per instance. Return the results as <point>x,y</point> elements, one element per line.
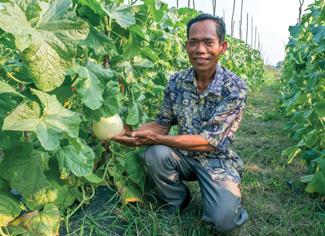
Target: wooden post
<point>232,19</point>
<point>241,20</point>
<point>214,6</point>
<point>247,29</point>
<point>255,37</point>
<point>194,4</point>
<point>224,15</point>
<point>252,34</point>
<point>189,3</point>
<point>177,2</point>
<point>300,9</point>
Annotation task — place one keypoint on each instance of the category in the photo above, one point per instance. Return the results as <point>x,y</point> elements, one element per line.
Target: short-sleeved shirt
<point>215,115</point>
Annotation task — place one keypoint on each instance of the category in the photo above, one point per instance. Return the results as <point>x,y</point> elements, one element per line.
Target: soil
<point>99,217</point>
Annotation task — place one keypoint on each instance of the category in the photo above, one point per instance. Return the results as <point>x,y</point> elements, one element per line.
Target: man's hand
<point>138,138</point>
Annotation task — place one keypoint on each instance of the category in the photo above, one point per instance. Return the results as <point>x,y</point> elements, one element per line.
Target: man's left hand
<point>138,138</point>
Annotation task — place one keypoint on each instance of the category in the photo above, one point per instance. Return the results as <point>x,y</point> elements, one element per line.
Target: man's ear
<point>224,46</point>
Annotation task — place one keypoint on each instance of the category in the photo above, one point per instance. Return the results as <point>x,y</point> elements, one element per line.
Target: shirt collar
<point>216,83</point>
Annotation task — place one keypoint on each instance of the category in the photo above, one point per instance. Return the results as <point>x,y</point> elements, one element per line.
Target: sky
<point>271,17</point>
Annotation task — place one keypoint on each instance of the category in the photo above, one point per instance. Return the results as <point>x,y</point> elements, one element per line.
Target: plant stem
<point>2,233</point>
<point>320,153</point>
<point>115,152</point>
<point>7,55</point>
<point>12,77</point>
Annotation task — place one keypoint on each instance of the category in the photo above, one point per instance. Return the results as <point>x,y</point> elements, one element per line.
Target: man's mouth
<point>199,60</point>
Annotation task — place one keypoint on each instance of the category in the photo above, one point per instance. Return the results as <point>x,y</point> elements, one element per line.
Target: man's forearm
<point>185,142</point>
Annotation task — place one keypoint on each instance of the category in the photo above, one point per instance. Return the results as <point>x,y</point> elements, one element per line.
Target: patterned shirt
<point>215,115</point>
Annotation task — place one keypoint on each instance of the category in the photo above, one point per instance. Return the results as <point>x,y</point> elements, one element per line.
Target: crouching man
<point>206,102</point>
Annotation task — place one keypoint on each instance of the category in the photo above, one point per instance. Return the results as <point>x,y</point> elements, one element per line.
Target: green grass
<point>273,207</point>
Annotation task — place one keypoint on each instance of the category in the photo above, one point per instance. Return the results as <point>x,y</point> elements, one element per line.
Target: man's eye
<point>192,43</point>
<point>210,43</point>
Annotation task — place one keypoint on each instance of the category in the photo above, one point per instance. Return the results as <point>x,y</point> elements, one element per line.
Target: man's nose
<point>201,47</point>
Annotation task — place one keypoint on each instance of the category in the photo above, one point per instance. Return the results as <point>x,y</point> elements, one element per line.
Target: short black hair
<point>221,26</point>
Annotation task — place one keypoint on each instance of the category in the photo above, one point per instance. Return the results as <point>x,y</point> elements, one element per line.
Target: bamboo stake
<point>255,37</point>
<point>300,9</point>
<point>247,29</point>
<point>252,33</point>
<point>241,20</point>
<point>214,5</point>
<point>232,19</point>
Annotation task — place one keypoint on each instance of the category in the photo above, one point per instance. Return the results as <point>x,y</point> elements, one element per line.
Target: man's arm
<point>154,133</point>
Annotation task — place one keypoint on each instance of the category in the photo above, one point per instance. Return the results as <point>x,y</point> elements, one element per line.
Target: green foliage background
<point>303,94</point>
<point>64,64</point>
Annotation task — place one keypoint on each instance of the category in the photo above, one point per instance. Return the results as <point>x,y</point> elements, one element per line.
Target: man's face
<point>203,46</point>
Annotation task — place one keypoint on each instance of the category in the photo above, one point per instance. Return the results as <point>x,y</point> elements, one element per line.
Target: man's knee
<point>226,217</point>
<point>156,155</point>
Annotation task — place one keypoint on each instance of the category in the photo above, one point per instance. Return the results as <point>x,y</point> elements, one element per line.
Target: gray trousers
<point>166,167</point>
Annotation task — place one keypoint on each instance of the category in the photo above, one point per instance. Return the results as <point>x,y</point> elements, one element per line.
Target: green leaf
<point>317,183</point>
<point>96,6</point>
<point>25,173</point>
<point>92,178</point>
<point>156,11</point>
<point>133,46</point>
<point>18,230</point>
<point>9,208</point>
<point>69,160</point>
<point>141,62</point>
<point>296,30</point>
<point>133,116</point>
<point>47,35</point>
<point>320,108</point>
<point>45,222</point>
<point>128,193</point>
<point>319,33</point>
<point>110,105</point>
<point>291,152</point>
<point>6,88</point>
<point>89,87</point>
<point>322,142</point>
<point>312,138</point>
<point>50,126</point>
<point>123,14</point>
<point>64,92</point>
<point>306,178</point>
<point>134,168</point>
<point>98,41</point>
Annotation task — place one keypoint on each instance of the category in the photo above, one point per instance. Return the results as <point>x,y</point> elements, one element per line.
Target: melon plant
<point>303,94</point>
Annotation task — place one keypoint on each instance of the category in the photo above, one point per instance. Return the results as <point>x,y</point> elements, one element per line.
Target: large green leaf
<point>317,184</point>
<point>291,152</point>
<point>110,106</point>
<point>89,87</point>
<point>49,126</point>
<point>98,41</point>
<point>134,168</point>
<point>69,160</point>
<point>320,108</point>
<point>319,33</point>
<point>47,35</point>
<point>9,208</point>
<point>6,88</point>
<point>25,173</point>
<point>123,14</point>
<point>45,222</point>
<point>95,5</point>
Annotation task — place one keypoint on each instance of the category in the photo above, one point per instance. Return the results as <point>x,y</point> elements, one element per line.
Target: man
<point>206,102</point>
